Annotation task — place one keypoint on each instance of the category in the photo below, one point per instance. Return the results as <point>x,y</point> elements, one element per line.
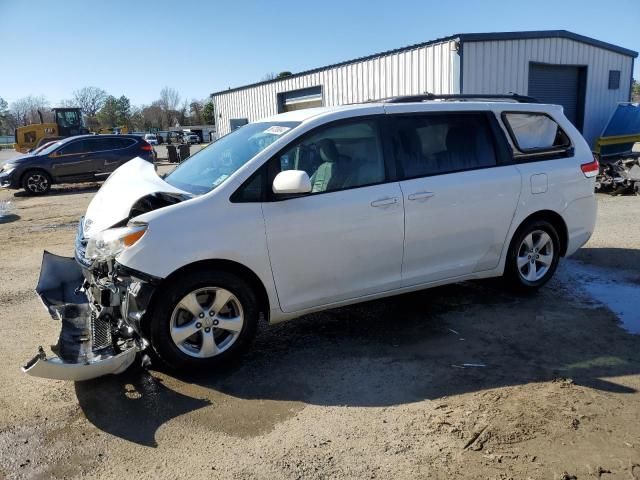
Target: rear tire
<point>36,182</point>
<point>203,320</point>
<point>533,256</point>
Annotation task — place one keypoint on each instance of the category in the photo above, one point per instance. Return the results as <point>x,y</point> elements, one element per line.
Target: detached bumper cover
<point>86,348</point>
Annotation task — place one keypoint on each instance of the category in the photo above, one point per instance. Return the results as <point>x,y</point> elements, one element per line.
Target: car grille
<point>100,332</point>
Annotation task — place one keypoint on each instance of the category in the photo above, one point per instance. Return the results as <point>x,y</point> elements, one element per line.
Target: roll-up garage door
<point>560,85</point>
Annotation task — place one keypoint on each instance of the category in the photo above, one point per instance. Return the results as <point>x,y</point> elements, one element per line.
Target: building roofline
<point>463,37</point>
<point>341,64</point>
<point>494,36</point>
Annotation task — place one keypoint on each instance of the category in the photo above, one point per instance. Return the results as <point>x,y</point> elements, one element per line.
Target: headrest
<point>328,151</point>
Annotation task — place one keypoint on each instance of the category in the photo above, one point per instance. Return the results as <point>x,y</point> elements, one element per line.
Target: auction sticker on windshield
<point>277,130</point>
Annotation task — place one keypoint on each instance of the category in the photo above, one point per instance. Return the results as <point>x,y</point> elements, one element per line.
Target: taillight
<point>145,147</point>
<point>590,169</point>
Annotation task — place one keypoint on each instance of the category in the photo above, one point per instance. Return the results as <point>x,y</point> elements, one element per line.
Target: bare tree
<point>90,100</point>
<point>25,110</point>
<point>169,99</point>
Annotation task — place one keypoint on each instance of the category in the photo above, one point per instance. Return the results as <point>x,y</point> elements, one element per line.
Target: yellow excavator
<point>68,122</point>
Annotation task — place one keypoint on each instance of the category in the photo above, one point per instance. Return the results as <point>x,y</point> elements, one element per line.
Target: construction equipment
<point>122,130</point>
<point>68,122</point>
<point>618,151</point>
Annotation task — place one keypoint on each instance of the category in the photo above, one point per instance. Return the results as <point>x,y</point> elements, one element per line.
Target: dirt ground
<point>372,391</point>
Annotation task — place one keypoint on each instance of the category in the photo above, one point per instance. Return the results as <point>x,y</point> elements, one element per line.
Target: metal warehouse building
<point>586,76</point>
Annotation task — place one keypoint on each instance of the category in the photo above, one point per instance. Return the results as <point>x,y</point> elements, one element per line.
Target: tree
<point>108,115</point>
<point>90,100</point>
<point>7,123</point>
<point>208,113</point>
<point>25,110</point>
<point>635,91</point>
<point>273,76</point>
<point>169,98</point>
<point>123,110</point>
<point>195,109</point>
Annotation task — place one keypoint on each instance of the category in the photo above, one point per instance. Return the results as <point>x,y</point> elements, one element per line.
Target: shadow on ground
<point>394,351</point>
<point>9,218</point>
<point>67,189</point>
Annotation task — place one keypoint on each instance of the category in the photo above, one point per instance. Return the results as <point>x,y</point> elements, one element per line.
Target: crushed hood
<point>133,189</point>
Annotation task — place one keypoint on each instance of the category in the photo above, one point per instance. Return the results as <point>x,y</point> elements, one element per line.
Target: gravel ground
<point>370,391</point>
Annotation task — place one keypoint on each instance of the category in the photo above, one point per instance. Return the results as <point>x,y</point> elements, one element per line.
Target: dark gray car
<point>82,158</point>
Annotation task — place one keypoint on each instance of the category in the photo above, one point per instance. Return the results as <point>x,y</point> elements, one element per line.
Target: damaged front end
<point>100,307</point>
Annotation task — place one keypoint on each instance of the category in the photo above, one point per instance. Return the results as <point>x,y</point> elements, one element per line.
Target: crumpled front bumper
<point>87,347</point>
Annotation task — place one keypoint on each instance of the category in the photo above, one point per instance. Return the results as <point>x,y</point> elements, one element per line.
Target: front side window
<point>79,146</point>
<point>442,143</point>
<point>535,131</point>
<point>211,166</point>
<point>337,157</point>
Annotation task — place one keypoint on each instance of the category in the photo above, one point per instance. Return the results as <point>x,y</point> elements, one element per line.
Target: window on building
<point>442,143</point>
<point>535,131</point>
<point>614,79</point>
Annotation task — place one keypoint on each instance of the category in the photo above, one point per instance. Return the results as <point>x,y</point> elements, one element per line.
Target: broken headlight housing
<point>7,168</point>
<point>109,243</point>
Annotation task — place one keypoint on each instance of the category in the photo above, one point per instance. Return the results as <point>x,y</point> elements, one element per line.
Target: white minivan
<point>309,210</point>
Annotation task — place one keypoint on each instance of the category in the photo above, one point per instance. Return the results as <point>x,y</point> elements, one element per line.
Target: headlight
<point>7,168</point>
<point>109,243</point>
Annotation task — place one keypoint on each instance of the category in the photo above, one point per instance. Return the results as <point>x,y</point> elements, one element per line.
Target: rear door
<point>460,192</point>
<point>120,151</point>
<point>344,239</point>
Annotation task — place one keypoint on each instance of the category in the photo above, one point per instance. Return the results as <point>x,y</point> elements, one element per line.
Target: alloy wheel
<point>535,255</point>
<point>206,322</point>
<point>37,183</point>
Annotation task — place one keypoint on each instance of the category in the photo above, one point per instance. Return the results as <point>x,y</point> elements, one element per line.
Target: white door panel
<point>457,223</point>
<point>334,246</point>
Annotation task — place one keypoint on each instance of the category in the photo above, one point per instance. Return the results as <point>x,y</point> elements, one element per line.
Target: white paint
<point>320,251</point>
<point>617,289</point>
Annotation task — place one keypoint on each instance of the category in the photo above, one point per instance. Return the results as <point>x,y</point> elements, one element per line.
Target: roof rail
<point>514,97</point>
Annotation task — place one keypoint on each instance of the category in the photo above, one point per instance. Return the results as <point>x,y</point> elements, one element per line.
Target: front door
<point>344,239</point>
<point>73,160</point>
<point>460,194</point>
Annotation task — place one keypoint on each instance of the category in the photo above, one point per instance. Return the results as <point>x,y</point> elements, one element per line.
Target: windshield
<point>212,165</point>
<point>50,148</point>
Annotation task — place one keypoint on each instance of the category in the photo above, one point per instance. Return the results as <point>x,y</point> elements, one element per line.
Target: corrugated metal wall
<point>431,68</point>
<point>503,66</point>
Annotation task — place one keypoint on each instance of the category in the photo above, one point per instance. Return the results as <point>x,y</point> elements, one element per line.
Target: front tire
<point>533,256</point>
<point>36,182</point>
<point>203,320</point>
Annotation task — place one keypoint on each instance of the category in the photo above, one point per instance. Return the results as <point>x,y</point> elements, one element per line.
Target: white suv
<point>309,210</point>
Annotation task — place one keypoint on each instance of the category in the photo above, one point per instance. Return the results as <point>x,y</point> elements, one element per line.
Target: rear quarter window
<point>535,132</point>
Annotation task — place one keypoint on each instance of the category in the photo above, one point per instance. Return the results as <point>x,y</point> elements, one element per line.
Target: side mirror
<point>291,181</point>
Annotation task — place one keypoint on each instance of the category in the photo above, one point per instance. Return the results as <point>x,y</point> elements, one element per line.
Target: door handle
<point>420,195</point>
<point>383,202</point>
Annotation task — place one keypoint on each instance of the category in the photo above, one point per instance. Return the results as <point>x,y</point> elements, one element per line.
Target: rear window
<point>535,131</point>
<point>443,143</point>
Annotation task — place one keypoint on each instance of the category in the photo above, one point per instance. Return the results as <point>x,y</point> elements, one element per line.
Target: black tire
<point>36,182</point>
<point>514,276</point>
<point>161,319</point>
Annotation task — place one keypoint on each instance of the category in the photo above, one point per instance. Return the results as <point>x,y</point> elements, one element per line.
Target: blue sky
<point>137,47</point>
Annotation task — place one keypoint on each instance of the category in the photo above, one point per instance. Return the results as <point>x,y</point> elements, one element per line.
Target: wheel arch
<point>34,169</point>
<point>229,266</point>
<point>555,219</point>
